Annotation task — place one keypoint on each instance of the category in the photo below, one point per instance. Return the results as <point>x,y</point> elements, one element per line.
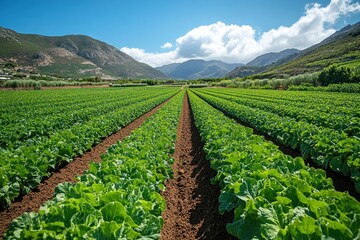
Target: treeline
<point>339,87</point>
<point>347,78</point>
<point>38,84</point>
<point>338,74</point>
<point>149,82</point>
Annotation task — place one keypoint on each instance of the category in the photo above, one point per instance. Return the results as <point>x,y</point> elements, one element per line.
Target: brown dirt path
<point>192,202</point>
<point>45,191</point>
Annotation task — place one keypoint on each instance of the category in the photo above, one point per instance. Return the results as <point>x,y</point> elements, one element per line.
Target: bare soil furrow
<point>192,201</point>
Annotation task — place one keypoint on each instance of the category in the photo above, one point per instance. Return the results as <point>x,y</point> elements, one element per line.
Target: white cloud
<point>218,41</point>
<point>153,59</point>
<point>234,43</point>
<point>167,45</point>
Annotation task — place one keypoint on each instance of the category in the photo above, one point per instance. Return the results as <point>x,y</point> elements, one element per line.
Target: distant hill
<point>195,69</point>
<point>243,71</point>
<point>342,47</point>
<point>264,62</point>
<point>71,55</point>
<point>272,57</point>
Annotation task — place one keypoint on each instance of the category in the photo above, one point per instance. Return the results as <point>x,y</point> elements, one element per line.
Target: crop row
<point>117,198</point>
<point>53,99</point>
<point>272,195</point>
<point>19,112</point>
<point>322,98</point>
<point>326,147</point>
<point>350,125</point>
<point>23,168</point>
<point>340,104</point>
<point>22,133</point>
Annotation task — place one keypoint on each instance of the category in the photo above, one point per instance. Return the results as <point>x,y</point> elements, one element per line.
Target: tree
<point>335,74</point>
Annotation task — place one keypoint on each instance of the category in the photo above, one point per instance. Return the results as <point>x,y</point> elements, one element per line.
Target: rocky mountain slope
<point>71,55</point>
<point>272,57</point>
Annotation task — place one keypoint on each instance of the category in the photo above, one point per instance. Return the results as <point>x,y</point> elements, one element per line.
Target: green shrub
<point>340,87</point>
<point>37,86</point>
<point>335,74</point>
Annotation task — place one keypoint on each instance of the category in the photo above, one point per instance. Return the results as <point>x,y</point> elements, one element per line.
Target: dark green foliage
<point>9,65</point>
<point>332,76</point>
<point>28,84</point>
<point>198,85</point>
<point>344,87</point>
<point>335,74</point>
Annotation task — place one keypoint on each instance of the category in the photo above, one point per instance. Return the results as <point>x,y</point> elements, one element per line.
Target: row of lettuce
<point>24,128</point>
<point>341,122</point>
<point>272,195</point>
<point>118,198</point>
<point>332,103</point>
<point>31,149</point>
<point>328,147</point>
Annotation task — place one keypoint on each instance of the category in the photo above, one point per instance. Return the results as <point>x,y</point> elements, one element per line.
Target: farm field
<point>42,130</point>
<point>190,171</point>
<point>324,127</point>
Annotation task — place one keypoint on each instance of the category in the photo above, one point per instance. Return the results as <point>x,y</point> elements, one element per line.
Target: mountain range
<point>272,57</point>
<point>197,68</point>
<point>70,56</point>
<point>83,56</point>
<point>263,62</point>
<point>342,47</point>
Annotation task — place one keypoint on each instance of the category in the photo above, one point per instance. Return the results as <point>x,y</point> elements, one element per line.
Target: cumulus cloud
<point>153,59</point>
<point>167,45</point>
<point>234,43</point>
<point>218,41</point>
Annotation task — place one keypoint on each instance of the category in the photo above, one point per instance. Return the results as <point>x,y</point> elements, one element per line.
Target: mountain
<point>243,71</point>
<point>70,56</point>
<point>272,57</point>
<point>342,47</point>
<point>195,69</point>
<point>264,62</point>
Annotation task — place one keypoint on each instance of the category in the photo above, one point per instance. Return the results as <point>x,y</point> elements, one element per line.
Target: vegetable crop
<point>118,198</point>
<point>272,195</point>
<point>326,147</point>
<point>311,112</point>
<point>30,150</point>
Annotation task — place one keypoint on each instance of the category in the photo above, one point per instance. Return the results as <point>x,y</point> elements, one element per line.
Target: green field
<point>41,130</point>
<point>271,195</point>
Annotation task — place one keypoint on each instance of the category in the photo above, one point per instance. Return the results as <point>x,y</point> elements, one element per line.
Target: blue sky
<point>141,27</point>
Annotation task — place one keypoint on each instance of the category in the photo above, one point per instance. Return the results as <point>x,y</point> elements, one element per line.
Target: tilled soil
<point>191,200</point>
<point>45,191</point>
